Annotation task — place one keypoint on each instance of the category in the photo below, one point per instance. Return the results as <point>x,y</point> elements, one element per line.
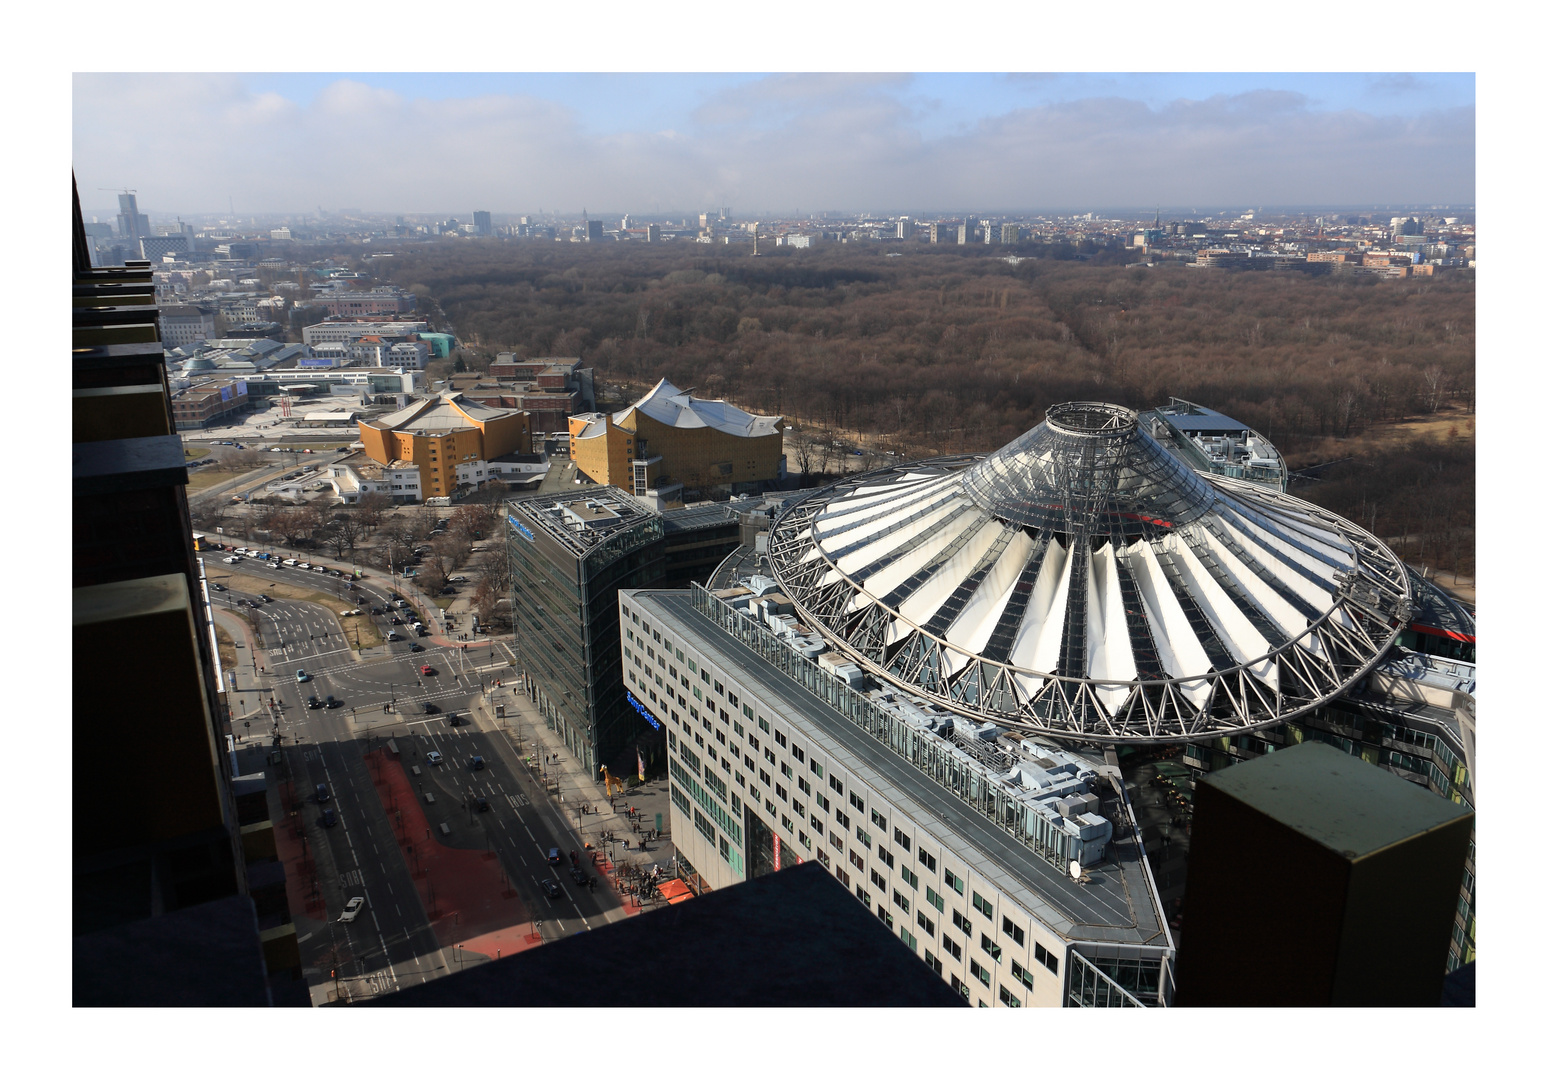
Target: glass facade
<point>564,610</point>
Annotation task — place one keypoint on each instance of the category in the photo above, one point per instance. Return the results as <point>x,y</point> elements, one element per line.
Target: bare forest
<point>1366,385</point>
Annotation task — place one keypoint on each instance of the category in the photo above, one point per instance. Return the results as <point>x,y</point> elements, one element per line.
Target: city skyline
<point>774,144</point>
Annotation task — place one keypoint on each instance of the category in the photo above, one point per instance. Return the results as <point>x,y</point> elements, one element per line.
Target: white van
<point>289,562</point>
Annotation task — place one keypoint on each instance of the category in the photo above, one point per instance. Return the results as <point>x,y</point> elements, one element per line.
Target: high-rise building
<point>131,223</point>
<point>569,555</point>
<point>935,232</point>
<point>964,232</point>
<point>483,223</point>
<point>593,230</point>
<point>652,233</point>
<point>1010,234</point>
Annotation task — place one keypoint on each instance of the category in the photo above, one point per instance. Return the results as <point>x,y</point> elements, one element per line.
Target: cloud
<point>191,142</point>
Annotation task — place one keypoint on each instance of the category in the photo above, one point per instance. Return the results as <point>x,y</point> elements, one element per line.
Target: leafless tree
<point>370,508</point>
<point>1434,386</point>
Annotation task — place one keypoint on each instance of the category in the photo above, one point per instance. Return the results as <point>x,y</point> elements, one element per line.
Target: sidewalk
<point>576,790</point>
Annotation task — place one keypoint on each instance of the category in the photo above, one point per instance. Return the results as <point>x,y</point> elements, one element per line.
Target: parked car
<point>322,792</point>
<point>352,909</point>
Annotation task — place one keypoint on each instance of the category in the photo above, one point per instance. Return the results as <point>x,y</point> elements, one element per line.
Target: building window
<point>980,972</point>
<point>864,897</point>
<point>1009,999</point>
<point>836,842</point>
<point>934,899</point>
<point>836,784</point>
<point>900,900</point>
<point>1021,975</point>
<point>952,947</point>
<point>803,785</point>
<point>842,875</point>
<point>854,857</point>
<point>864,837</point>
<point>1013,930</point>
<point>878,881</point>
<point>927,860</point>
<point>884,855</point>
<point>805,841</point>
<point>933,962</point>
<point>961,922</point>
<point>908,939</point>
<point>1046,958</point>
<point>953,882</point>
<point>925,924</point>
<point>879,821</point>
<point>900,839</point>
<point>989,947</point>
<point>984,906</point>
<point>909,876</point>
<point>856,801</point>
<point>842,818</point>
<point>884,915</point>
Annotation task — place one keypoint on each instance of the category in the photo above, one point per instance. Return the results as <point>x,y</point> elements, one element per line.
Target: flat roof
<point>1116,905</point>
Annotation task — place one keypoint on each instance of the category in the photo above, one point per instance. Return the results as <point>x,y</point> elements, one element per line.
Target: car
<point>395,598</point>
<point>331,702</point>
<point>455,719</point>
<point>579,876</point>
<point>329,818</point>
<point>397,621</point>
<point>483,804</point>
<point>217,586</point>
<point>319,569</point>
<point>426,669</point>
<point>553,855</point>
<point>378,611</point>
<point>352,909</point>
<point>431,707</point>
<point>322,792</point>
<point>313,702</point>
<point>347,612</point>
<point>393,635</point>
<point>423,632</point>
<point>288,562</point>
<point>232,559</point>
<point>303,566</point>
<point>307,451</point>
<point>456,579</point>
<point>551,887</point>
<point>476,762</point>
<point>252,604</point>
<point>336,573</point>
<point>448,590</point>
<point>266,598</point>
<point>433,758</point>
<point>302,676</point>
<point>416,647</point>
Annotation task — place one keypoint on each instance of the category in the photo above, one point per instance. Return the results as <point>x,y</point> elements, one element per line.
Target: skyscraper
<point>483,223</point>
<point>131,223</point>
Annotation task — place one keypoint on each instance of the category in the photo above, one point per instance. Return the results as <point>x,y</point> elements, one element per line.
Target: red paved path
<point>473,906</point>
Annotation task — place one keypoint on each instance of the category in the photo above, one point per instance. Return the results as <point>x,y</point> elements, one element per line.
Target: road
<point>387,693</point>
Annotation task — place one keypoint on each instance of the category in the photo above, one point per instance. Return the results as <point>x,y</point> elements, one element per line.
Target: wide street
<point>386,702</point>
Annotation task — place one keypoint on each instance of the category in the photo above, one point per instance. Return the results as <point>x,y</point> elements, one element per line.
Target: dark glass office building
<point>570,553</point>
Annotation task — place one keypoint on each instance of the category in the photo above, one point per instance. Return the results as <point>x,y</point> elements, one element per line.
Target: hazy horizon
<point>772,145</point>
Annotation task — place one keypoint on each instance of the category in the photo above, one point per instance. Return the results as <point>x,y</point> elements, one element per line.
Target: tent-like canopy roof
<point>1083,582</point>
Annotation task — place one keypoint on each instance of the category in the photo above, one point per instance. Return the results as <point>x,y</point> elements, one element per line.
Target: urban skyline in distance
<point>773,145</point>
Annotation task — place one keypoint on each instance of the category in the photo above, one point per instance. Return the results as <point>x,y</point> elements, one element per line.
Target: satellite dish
<point>1075,869</point>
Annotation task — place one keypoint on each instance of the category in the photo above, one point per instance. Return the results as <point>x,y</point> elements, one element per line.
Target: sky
<point>769,144</point>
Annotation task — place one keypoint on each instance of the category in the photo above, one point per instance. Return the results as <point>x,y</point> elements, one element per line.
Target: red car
<point>427,670</point>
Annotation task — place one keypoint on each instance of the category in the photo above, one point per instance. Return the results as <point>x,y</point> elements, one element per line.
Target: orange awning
<point>675,891</point>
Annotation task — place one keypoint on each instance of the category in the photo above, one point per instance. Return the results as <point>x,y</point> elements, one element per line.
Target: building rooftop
<point>1114,903</point>
<point>1084,582</point>
<point>668,405</point>
<point>583,521</point>
<point>698,517</point>
<point>446,412</point>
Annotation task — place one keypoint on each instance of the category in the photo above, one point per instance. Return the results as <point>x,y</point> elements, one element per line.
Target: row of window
<point>864,839</point>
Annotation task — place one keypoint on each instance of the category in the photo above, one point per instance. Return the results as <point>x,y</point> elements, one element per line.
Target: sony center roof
<point>1082,582</point>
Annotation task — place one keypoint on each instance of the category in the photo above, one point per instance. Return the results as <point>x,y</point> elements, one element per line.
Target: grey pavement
<point>576,789</point>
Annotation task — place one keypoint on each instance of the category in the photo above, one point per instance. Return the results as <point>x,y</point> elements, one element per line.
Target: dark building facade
<point>569,556</point>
